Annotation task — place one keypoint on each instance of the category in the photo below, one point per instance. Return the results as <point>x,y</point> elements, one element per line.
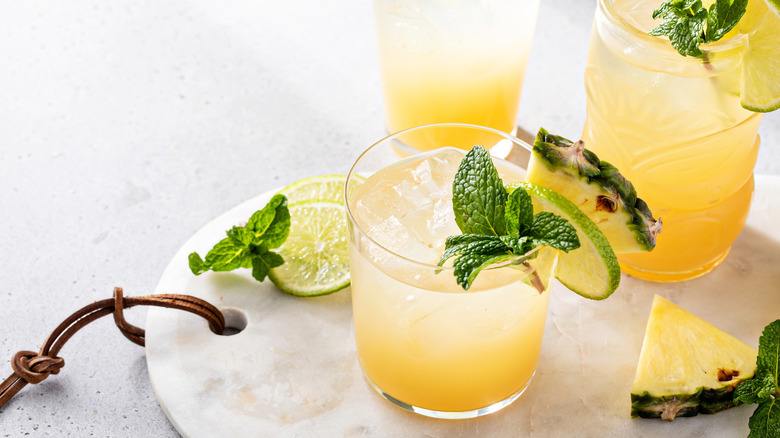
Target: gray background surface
<point>125,126</point>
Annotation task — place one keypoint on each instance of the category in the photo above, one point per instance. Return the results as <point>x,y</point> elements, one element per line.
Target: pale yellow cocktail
<point>674,127</point>
<point>424,342</point>
<point>453,62</point>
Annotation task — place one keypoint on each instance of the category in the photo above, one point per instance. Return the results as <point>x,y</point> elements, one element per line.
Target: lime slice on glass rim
<point>317,188</point>
<point>760,89</point>
<point>316,259</point>
<point>591,270</point>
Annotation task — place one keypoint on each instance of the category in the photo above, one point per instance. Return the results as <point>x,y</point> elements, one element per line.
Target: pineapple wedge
<point>597,188</point>
<point>687,366</point>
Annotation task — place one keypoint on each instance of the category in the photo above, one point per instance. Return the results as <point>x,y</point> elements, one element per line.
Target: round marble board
<point>293,370</point>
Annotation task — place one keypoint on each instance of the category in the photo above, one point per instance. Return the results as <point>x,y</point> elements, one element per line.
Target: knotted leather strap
<point>32,367</point>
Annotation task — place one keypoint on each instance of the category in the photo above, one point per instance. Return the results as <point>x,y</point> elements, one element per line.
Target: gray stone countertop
<point>126,126</point>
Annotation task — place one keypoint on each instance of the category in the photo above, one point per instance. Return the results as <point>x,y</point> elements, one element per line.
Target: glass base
<point>447,415</point>
<point>668,277</point>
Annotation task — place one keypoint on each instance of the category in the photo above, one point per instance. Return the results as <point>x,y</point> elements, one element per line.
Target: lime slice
<point>317,188</point>
<point>761,61</point>
<point>592,270</point>
<point>316,260</point>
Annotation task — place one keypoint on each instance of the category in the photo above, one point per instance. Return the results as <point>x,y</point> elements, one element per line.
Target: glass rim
<point>662,44</point>
<point>389,137</point>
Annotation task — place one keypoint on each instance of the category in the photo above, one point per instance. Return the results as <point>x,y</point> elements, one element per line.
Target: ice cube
<point>389,232</point>
<point>407,206</point>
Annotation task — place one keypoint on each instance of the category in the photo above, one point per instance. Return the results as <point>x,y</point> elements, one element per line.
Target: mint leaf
<point>468,266</point>
<point>764,387</point>
<point>472,244</point>
<point>226,256</point>
<point>263,261</point>
<point>723,16</point>
<point>197,266</point>
<point>519,214</point>
<point>272,223</point>
<point>769,351</point>
<point>478,195</point>
<point>477,252</point>
<point>552,230</point>
<point>688,24</point>
<point>756,389</point>
<point>240,236</point>
<point>684,22</point>
<point>249,246</point>
<point>519,245</point>
<point>765,421</point>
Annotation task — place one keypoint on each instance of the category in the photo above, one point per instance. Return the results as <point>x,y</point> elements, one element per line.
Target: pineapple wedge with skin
<point>597,188</point>
<point>687,365</point>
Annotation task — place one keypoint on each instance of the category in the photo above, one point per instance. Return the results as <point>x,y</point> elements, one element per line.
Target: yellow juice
<point>446,351</point>
<point>421,339</point>
<point>453,62</point>
<point>675,128</point>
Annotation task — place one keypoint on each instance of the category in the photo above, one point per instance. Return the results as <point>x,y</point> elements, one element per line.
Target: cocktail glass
<point>674,127</point>
<point>423,342</point>
<point>460,61</point>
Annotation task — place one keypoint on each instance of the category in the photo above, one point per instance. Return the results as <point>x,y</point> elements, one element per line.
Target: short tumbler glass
<point>423,342</point>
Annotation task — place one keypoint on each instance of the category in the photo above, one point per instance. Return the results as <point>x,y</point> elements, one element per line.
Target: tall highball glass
<point>455,61</point>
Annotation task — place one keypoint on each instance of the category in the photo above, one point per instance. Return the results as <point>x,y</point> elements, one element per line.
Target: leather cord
<point>31,367</point>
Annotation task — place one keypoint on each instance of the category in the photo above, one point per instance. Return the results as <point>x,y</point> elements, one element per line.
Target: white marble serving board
<point>293,371</point>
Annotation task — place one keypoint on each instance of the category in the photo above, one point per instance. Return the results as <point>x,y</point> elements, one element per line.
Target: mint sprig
<point>497,228</point>
<point>688,24</point>
<point>250,246</point>
<point>764,387</point>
